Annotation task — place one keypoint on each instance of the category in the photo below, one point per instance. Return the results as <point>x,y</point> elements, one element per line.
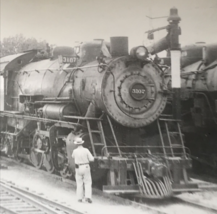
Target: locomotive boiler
<point>115,100</point>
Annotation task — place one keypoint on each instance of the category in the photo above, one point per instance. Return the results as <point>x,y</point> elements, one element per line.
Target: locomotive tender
<point>112,99</point>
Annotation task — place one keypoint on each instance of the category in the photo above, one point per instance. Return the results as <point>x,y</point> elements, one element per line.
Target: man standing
<point>83,178</point>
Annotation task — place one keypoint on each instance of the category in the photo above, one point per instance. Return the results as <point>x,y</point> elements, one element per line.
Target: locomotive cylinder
<point>53,111</point>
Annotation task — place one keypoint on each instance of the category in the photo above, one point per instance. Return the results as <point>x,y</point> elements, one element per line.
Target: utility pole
<point>175,53</point>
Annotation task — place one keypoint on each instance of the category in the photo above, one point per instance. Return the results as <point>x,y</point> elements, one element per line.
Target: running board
<point>134,189</point>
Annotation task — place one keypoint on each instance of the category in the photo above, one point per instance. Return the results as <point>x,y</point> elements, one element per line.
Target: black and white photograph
<point>108,106</point>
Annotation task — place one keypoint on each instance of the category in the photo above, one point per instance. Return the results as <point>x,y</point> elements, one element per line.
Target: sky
<point>62,22</point>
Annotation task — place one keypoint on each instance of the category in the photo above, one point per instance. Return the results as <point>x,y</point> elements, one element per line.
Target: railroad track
<point>158,207</point>
<point>178,205</point>
<point>191,203</point>
<point>15,200</point>
<point>18,200</point>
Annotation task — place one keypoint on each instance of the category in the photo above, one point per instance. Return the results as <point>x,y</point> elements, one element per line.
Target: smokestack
<point>119,46</point>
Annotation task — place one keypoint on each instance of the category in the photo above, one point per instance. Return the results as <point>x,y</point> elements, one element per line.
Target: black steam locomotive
<point>199,101</point>
<point>116,101</point>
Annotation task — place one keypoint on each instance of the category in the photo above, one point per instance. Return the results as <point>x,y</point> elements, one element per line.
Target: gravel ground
<point>182,209</point>
<point>208,198</point>
<point>62,192</point>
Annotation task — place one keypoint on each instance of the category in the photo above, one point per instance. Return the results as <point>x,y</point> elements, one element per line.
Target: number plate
<point>67,59</point>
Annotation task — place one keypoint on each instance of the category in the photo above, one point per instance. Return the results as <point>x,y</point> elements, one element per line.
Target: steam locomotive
<point>198,99</point>
<point>116,101</point>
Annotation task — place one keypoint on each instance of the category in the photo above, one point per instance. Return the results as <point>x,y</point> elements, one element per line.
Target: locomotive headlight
<point>140,52</point>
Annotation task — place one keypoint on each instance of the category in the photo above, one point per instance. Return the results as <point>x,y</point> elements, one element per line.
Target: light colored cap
<point>78,141</point>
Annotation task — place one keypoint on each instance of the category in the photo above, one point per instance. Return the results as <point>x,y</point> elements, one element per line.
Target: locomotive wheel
<point>9,148</point>
<point>2,143</point>
<point>6,146</point>
<point>2,138</point>
<point>37,154</point>
<point>48,164</point>
<point>18,150</point>
<point>59,157</point>
<point>47,161</point>
<point>66,172</point>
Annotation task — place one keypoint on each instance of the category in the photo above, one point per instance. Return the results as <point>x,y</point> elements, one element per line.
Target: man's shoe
<point>80,200</point>
<point>89,200</point>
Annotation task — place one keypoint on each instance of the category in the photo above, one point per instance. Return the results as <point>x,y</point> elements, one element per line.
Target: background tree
<point>18,44</point>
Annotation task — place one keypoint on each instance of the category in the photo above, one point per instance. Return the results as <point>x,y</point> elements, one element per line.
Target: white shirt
<point>82,155</point>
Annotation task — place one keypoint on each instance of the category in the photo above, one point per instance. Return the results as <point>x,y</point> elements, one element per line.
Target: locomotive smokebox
<point>119,46</point>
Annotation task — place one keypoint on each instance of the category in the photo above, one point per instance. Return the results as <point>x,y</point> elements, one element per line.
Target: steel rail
<point>15,201</point>
<point>192,203</point>
<point>37,200</point>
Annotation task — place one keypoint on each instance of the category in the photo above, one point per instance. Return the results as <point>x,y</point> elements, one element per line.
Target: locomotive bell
<point>119,46</point>
<point>62,50</point>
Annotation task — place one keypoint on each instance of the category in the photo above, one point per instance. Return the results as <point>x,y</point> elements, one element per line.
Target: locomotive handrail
<point>157,155</point>
<point>186,73</point>
<point>53,101</point>
<point>9,133</point>
<point>209,67</point>
<point>66,69</point>
<point>56,99</point>
<point>82,118</point>
<point>114,136</point>
<point>90,66</point>
<point>146,147</point>
<point>37,118</point>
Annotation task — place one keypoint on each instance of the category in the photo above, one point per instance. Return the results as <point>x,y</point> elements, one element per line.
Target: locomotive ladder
<point>98,131</point>
<point>169,133</point>
<point>102,135</point>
